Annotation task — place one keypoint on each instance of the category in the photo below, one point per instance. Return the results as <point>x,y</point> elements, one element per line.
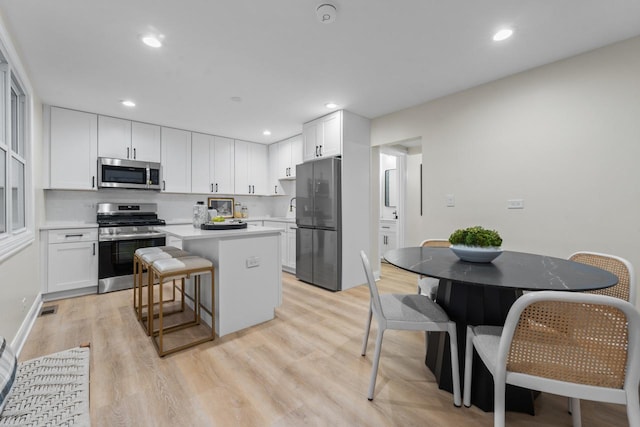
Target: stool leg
<point>160,318</point>
<point>150,279</point>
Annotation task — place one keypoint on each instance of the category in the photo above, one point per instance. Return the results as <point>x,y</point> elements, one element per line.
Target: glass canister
<point>199,214</point>
<point>245,211</point>
<point>237,210</point>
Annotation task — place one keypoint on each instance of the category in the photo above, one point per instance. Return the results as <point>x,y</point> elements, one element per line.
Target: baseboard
<point>71,293</point>
<point>22,334</point>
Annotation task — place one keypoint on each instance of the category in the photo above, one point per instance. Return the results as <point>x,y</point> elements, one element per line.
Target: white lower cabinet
<point>388,233</point>
<point>287,243</point>
<point>291,247</point>
<point>71,260</point>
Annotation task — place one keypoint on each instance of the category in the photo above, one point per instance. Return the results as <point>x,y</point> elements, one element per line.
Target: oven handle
<point>115,237</point>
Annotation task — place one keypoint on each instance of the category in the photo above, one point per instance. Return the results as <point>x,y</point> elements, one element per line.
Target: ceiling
<point>377,57</point>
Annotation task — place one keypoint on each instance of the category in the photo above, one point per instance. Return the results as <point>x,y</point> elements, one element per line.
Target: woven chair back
<point>435,243</point>
<point>622,289</point>
<point>571,341</point>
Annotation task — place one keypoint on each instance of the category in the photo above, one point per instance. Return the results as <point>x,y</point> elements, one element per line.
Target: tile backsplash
<point>80,206</point>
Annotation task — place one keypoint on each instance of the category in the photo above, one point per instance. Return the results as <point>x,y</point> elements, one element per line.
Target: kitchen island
<point>248,276</point>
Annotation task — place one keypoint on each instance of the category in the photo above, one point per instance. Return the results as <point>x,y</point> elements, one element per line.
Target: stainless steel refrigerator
<point>318,217</point>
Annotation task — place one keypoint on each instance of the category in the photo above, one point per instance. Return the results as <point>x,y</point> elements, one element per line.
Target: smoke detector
<point>326,13</point>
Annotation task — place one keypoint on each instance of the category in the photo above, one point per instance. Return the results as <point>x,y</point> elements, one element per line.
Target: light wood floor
<point>303,368</point>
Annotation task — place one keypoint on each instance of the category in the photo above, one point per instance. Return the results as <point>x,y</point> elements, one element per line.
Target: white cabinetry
<point>251,162</point>
<point>124,139</point>
<point>72,149</point>
<point>283,158</point>
<point>71,260</point>
<point>212,164</point>
<point>388,236</point>
<point>176,160</point>
<point>322,137</point>
<point>287,243</point>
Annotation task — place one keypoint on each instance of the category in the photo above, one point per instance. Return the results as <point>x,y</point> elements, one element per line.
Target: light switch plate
<point>253,261</point>
<point>515,204</point>
<point>451,200</point>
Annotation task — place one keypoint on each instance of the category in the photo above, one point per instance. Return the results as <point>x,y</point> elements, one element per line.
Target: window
<point>16,219</point>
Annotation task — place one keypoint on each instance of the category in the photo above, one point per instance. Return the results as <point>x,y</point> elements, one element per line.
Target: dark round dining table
<point>481,294</point>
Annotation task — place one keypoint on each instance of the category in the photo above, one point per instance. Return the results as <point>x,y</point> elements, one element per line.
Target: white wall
<point>413,234</point>
<point>19,274</point>
<point>564,137</point>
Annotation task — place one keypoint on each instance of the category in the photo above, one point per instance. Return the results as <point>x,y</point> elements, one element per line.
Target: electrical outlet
<point>451,200</point>
<point>253,261</point>
<point>515,204</point>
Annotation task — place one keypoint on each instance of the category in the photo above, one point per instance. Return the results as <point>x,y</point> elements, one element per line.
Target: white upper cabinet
<point>283,158</point>
<point>251,172</point>
<point>176,160</point>
<point>223,165</point>
<point>73,149</point>
<point>123,139</point>
<point>323,136</point>
<point>145,142</point>
<point>275,188</point>
<point>211,164</point>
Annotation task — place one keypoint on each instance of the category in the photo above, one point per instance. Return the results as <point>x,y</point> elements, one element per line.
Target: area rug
<point>51,390</point>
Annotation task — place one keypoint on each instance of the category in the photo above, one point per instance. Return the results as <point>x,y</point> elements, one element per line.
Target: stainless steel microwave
<point>122,173</point>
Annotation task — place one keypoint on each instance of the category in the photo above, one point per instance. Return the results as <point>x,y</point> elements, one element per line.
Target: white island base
<point>248,273</point>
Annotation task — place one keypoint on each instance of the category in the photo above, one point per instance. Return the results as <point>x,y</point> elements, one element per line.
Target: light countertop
<point>67,225</point>
<point>188,232</point>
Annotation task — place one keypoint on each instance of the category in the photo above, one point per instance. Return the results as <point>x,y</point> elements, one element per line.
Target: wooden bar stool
<point>166,269</point>
<point>142,259</point>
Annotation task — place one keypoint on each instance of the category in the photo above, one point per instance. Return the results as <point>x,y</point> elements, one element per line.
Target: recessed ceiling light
<point>503,34</point>
<point>267,132</point>
<point>128,103</point>
<point>152,41</point>
<point>236,99</point>
<point>331,105</point>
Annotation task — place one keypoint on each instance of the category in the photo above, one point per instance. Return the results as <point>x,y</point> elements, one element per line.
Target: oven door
<point>115,265</point>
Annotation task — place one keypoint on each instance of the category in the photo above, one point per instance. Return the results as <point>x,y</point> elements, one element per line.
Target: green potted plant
<point>476,244</point>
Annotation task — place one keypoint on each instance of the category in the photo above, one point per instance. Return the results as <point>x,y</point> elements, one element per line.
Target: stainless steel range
<point>123,228</point>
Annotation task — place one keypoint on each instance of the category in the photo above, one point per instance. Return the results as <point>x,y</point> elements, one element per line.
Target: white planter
<point>475,253</point>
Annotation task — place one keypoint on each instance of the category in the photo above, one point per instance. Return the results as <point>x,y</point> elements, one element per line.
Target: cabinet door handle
<point>253,189</point>
<point>275,189</point>
<point>321,151</point>
<point>216,187</point>
<point>164,185</point>
<point>134,154</point>
<point>316,151</point>
<point>73,235</point>
<point>385,226</point>
<point>127,152</point>
<point>94,249</point>
<point>93,182</point>
<point>212,187</point>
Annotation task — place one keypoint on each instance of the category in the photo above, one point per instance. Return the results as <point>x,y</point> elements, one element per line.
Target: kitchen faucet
<point>291,204</point>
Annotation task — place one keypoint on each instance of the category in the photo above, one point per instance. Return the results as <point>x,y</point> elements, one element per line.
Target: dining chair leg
<point>633,406</point>
<point>376,360</point>
<point>498,400</point>
<point>366,332</point>
<point>576,417</point>
<point>455,364</point>
<point>468,364</point>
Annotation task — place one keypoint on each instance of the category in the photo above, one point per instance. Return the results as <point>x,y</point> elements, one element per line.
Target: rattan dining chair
<point>429,285</point>
<point>579,345</point>
<point>409,312</point>
<point>626,287</point>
